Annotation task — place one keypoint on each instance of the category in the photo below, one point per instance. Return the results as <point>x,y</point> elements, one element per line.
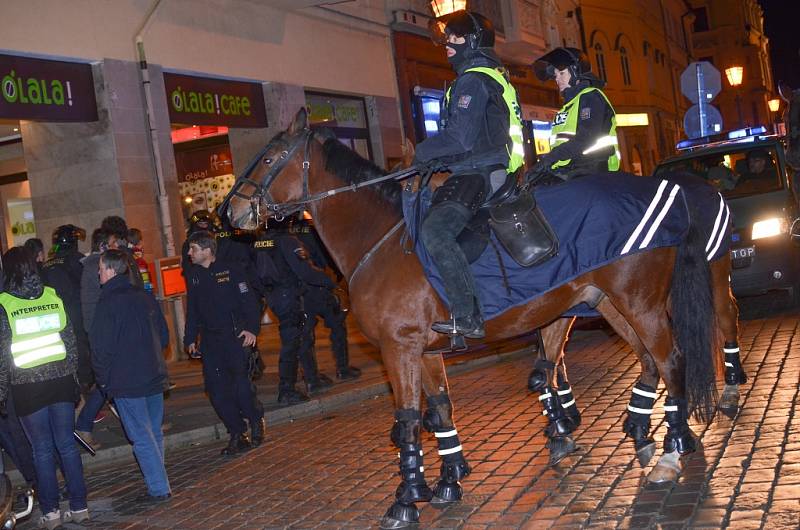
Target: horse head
<point>274,182</point>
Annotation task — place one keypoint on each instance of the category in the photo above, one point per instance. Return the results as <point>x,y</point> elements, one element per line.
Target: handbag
<point>523,230</point>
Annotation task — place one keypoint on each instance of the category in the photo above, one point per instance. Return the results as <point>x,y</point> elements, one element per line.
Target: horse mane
<point>351,168</point>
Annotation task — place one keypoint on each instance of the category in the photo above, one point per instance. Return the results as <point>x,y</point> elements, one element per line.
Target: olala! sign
<point>41,89</point>
<point>206,101</point>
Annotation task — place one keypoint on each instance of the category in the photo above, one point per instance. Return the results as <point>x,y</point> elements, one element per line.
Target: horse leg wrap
<point>679,436</point>
<point>568,400</point>
<point>413,487</point>
<point>537,380</point>
<point>560,425</point>
<point>454,466</point>
<point>640,407</point>
<point>734,373</point>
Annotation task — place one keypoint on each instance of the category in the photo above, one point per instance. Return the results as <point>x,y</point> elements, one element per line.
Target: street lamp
<point>774,106</point>
<point>445,7</point>
<point>734,75</point>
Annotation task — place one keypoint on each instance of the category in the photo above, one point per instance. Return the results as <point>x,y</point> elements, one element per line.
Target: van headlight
<point>769,228</point>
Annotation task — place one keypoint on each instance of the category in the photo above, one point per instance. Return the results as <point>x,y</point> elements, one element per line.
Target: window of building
<point>601,61</point>
<point>700,19</point>
<point>345,116</point>
<point>626,67</point>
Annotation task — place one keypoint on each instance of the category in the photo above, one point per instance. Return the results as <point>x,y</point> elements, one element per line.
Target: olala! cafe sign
<point>208,101</point>
<point>41,89</point>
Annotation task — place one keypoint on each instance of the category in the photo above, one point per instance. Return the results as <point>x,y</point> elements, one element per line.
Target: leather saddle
<point>517,223</point>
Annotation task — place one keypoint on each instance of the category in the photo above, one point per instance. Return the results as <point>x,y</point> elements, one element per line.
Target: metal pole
<point>701,104</point>
<point>163,199</point>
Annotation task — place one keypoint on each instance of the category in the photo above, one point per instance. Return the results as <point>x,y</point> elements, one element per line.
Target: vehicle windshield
<point>737,173</point>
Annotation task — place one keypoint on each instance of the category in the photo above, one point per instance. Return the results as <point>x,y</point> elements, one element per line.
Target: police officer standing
<point>63,273</point>
<point>277,270</point>
<point>584,135</point>
<point>481,143</point>
<point>224,312</point>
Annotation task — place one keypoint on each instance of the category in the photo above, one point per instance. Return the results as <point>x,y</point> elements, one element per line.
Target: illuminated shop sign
<point>207,101</point>
<point>41,89</point>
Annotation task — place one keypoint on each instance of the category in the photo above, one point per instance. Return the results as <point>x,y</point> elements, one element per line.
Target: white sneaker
<point>51,520</point>
<point>75,517</point>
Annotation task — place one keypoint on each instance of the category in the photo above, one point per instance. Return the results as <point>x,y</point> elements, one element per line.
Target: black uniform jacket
<point>220,302</point>
<point>476,128</point>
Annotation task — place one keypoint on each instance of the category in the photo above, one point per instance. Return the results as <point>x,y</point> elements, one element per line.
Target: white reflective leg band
<point>671,408</point>
<point>645,393</point>
<point>544,412</point>
<point>729,365</point>
<point>447,434</point>
<point>443,452</point>
<point>730,350</point>
<point>565,392</point>
<point>545,396</point>
<point>568,404</point>
<point>422,469</point>
<point>637,410</point>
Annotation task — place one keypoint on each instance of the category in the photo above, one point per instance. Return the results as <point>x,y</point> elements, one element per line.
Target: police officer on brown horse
<point>476,145</point>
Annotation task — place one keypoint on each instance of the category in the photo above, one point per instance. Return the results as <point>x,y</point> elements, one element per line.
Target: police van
<point>749,168</point>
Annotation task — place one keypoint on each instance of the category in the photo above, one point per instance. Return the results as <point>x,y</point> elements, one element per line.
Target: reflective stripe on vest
<point>516,156</point>
<point>36,327</point>
<point>565,126</point>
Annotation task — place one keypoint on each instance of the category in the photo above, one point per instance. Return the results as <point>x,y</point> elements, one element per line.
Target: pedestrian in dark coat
<point>128,336</point>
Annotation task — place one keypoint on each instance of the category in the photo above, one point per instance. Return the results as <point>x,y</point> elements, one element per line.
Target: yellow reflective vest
<point>516,155</point>
<point>565,126</point>
<point>36,327</point>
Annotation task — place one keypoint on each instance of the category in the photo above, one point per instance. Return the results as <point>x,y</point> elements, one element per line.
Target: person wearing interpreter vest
<point>583,139</point>
<point>38,365</point>
<point>480,143</point>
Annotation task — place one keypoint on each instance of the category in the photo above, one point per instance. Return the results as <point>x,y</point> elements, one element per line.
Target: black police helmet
<point>202,216</point>
<point>68,235</point>
<point>474,27</point>
<point>561,59</point>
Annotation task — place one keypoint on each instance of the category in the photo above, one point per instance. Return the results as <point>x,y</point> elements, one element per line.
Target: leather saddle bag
<point>523,231</point>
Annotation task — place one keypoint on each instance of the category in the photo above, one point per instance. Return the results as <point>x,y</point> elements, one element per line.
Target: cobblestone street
<point>341,470</point>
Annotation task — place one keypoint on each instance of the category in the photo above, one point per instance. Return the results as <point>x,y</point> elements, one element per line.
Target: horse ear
<point>408,152</point>
<point>299,122</point>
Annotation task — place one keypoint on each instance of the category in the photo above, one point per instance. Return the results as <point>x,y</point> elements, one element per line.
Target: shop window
<point>345,116</point>
<point>626,67</point>
<point>601,61</point>
<point>700,19</point>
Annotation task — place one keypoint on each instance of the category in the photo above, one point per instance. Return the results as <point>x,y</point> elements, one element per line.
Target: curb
<point>322,405</point>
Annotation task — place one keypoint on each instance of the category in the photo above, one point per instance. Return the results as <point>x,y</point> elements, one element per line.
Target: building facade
<point>640,47</point>
<point>727,34</point>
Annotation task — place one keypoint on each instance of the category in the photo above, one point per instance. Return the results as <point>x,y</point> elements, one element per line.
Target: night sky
<point>781,24</point>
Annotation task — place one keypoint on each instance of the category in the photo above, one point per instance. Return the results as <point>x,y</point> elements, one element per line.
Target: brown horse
<point>663,296</point>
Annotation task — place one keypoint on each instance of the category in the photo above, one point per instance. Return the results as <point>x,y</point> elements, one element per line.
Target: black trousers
<point>454,205</point>
<point>227,381</point>
<point>287,305</point>
<point>321,302</point>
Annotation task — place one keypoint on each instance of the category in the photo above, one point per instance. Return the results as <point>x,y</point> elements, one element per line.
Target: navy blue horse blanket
<point>598,219</point>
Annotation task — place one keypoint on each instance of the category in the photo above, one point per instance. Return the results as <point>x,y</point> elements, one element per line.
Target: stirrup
<point>457,344</point>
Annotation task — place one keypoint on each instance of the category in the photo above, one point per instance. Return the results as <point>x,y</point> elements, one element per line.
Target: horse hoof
<point>446,493</point>
<point>668,469</point>
<point>560,448</point>
<point>729,400</point>
<point>645,454</point>
<point>400,516</point>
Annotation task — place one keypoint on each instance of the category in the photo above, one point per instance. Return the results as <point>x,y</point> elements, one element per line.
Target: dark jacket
<point>476,123</point>
<point>128,335</point>
<point>90,284</point>
<point>9,373</point>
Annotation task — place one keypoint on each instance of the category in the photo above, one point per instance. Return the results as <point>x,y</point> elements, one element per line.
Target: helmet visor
<point>437,29</point>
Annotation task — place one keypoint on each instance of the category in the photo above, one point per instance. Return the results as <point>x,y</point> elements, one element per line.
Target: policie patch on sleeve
<point>586,113</point>
<point>464,101</point>
<point>243,287</point>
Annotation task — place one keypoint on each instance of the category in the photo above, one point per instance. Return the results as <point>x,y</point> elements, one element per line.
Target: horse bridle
<point>259,195</point>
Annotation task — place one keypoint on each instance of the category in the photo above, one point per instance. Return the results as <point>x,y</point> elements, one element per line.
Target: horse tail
<point>693,324</point>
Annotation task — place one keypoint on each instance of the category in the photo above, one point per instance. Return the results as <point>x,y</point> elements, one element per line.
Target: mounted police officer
<point>279,273</point>
<point>224,312</point>
<point>584,135</point>
<point>481,144</point>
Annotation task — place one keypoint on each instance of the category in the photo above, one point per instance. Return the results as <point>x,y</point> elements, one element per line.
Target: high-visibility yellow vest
<point>565,126</point>
<point>516,155</point>
<point>36,327</point>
